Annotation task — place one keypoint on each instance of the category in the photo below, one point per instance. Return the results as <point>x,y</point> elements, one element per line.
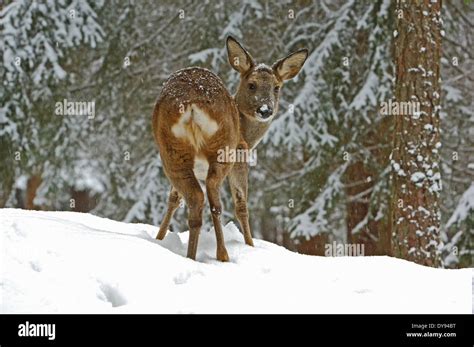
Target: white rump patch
<point>179,129</point>
<point>195,126</point>
<point>201,167</point>
<point>207,124</point>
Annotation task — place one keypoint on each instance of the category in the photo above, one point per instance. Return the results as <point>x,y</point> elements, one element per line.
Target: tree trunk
<point>316,245</point>
<point>31,189</point>
<point>415,158</point>
<point>371,235</point>
<point>83,201</point>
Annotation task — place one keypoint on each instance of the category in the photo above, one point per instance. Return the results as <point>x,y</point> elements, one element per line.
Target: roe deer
<point>195,117</point>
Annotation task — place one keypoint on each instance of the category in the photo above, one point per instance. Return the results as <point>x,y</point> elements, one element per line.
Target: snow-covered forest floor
<point>66,262</point>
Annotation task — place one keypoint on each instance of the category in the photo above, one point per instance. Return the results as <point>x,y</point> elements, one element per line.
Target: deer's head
<point>260,85</point>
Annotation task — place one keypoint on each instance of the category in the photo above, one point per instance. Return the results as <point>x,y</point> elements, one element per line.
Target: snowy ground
<point>70,262</point>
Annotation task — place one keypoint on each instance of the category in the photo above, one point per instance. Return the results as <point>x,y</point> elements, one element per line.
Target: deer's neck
<point>252,131</point>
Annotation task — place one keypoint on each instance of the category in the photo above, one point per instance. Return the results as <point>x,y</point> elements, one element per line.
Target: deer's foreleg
<point>238,180</point>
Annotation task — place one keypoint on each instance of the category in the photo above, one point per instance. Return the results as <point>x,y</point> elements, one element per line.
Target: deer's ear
<point>289,66</point>
<point>239,58</point>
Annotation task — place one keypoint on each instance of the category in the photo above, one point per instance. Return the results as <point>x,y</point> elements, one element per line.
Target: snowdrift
<point>66,262</point>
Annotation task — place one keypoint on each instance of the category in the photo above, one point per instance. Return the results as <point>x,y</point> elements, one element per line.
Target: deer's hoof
<point>161,235</point>
<point>249,242</point>
<point>222,255</point>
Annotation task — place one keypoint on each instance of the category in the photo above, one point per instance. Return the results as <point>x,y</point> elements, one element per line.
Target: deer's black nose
<point>265,111</point>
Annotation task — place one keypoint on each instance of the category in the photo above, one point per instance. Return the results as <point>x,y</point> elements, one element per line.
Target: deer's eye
<point>252,86</point>
<point>276,89</point>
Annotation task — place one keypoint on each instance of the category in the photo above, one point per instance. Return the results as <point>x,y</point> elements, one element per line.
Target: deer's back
<point>194,116</point>
<point>194,85</point>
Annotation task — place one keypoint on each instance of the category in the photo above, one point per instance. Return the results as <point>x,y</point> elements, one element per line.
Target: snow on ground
<point>78,263</point>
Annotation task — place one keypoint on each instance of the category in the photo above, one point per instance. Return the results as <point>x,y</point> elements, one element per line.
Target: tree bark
<point>31,189</point>
<point>316,245</point>
<point>416,180</point>
<point>374,235</point>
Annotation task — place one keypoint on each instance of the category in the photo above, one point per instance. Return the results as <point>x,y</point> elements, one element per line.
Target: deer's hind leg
<point>173,203</point>
<point>215,176</point>
<point>188,186</point>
